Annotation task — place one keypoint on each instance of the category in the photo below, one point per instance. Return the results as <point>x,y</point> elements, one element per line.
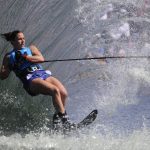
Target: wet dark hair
<point>10,36</point>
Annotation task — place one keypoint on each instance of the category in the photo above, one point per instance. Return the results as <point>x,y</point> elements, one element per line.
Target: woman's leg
<point>54,88</point>
<point>62,89</point>
<point>39,86</point>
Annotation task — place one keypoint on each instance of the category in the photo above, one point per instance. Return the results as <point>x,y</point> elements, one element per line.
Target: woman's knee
<point>64,93</point>
<point>54,91</point>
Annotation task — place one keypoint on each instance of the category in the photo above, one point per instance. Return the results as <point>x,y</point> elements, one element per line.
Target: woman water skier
<point>23,61</point>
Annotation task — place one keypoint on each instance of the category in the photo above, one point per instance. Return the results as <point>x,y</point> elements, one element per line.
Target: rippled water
<point>118,88</point>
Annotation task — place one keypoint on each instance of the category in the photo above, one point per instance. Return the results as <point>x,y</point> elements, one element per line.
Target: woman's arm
<point>37,56</point>
<point>5,71</point>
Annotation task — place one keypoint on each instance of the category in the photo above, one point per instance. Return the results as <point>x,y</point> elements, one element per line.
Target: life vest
<point>22,67</point>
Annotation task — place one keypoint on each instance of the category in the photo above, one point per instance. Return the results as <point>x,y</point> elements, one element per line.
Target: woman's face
<point>19,41</point>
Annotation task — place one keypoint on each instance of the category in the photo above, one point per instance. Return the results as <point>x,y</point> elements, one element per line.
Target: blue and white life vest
<point>22,67</point>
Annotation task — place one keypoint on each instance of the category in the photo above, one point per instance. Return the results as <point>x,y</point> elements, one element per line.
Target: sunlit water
<point>118,88</point>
